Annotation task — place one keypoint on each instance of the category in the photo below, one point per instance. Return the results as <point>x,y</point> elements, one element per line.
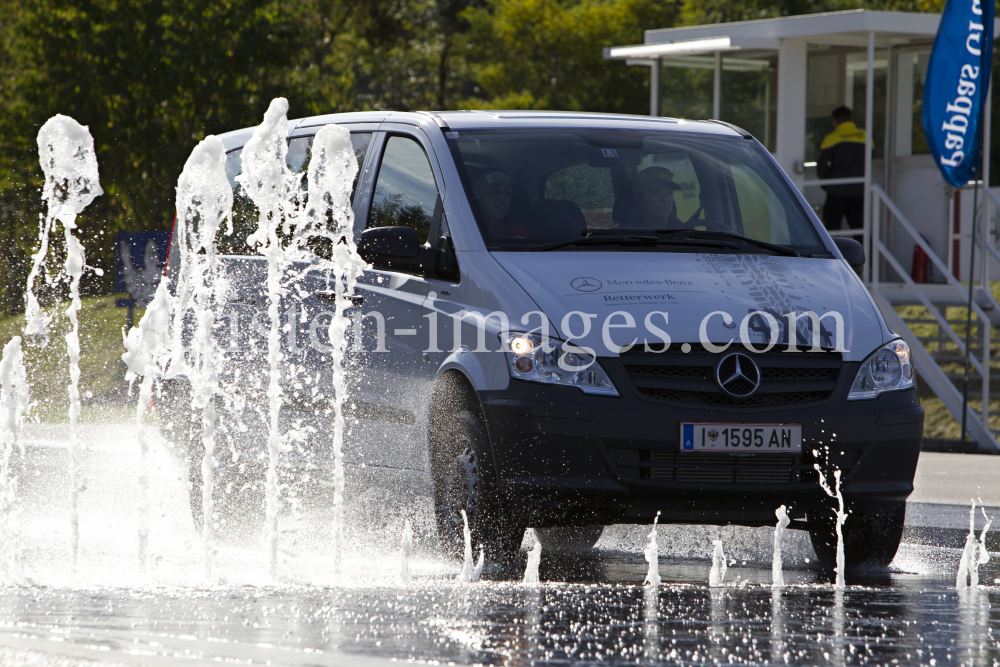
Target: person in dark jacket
<point>842,155</point>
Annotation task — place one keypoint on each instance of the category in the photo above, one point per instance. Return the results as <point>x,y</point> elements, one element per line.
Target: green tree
<point>150,79</point>
<point>541,54</point>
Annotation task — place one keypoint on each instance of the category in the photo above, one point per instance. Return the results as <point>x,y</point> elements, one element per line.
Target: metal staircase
<point>919,313</point>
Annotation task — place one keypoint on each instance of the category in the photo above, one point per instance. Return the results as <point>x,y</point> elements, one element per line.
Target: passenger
<point>493,193</point>
<point>653,199</point>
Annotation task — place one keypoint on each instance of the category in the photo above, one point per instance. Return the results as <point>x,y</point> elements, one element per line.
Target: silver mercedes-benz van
<point>573,320</point>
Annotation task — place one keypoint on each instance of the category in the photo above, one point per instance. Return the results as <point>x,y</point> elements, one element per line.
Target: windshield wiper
<point>777,249</point>
<point>626,240</point>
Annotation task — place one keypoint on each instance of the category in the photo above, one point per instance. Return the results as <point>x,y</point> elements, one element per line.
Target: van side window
<point>405,192</point>
<point>245,213</point>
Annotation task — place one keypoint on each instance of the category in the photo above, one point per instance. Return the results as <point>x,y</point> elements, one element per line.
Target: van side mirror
<point>852,251</point>
<point>391,248</point>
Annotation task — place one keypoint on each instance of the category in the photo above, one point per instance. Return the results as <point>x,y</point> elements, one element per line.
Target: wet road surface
<point>885,618</point>
<point>590,608</point>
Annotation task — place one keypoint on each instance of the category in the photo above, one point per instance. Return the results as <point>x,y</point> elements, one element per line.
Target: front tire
<point>870,538</point>
<point>464,479</point>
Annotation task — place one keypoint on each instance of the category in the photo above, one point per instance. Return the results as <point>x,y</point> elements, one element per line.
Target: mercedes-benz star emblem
<point>586,284</point>
<point>737,375</point>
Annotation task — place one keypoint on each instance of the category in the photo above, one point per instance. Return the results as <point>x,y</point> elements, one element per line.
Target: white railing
<point>986,242</point>
<point>879,248</point>
<point>880,251</point>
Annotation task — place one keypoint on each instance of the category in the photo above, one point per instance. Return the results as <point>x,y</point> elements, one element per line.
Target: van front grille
<point>711,398</point>
<point>786,378</point>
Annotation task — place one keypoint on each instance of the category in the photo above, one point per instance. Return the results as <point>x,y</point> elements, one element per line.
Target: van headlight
<point>886,369</point>
<point>532,358</point>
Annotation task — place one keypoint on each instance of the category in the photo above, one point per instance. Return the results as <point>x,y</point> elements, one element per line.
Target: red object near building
<point>921,268</point>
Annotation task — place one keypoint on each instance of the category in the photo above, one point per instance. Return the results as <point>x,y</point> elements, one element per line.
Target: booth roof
<point>849,28</point>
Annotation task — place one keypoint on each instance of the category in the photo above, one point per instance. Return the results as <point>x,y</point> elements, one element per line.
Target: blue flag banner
<point>958,75</point>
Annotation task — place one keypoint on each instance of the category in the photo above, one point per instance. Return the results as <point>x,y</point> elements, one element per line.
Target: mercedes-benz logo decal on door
<point>737,375</point>
<point>586,284</point>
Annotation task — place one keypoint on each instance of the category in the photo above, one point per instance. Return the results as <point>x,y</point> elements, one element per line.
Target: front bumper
<point>566,458</point>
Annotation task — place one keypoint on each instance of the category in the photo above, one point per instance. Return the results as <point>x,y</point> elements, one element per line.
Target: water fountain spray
<point>477,571</point>
<point>269,183</point>
<point>534,560</point>
<point>405,548</point>
<point>984,553</point>
<point>717,575</point>
<point>974,554</point>
<point>329,214</point>
<point>146,349</point>
<point>465,576</point>
<point>66,153</point>
<point>652,554</point>
<point>14,404</point>
<point>777,575</point>
<point>841,518</point>
<point>204,203</point>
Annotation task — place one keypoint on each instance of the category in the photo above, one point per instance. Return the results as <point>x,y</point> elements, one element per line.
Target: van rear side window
<point>245,213</point>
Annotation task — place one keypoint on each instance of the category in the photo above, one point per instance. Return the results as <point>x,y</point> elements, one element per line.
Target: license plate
<point>742,438</point>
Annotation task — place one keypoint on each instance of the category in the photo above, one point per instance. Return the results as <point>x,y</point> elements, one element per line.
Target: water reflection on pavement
<point>590,608</point>
<point>880,618</point>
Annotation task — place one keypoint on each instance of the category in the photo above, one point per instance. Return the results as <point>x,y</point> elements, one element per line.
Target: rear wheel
<point>464,479</point>
<point>569,539</point>
<point>870,538</point>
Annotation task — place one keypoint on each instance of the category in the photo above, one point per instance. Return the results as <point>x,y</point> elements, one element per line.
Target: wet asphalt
<point>591,608</point>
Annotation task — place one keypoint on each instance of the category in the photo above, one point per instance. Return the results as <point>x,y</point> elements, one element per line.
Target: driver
<point>653,199</point>
<point>493,193</point>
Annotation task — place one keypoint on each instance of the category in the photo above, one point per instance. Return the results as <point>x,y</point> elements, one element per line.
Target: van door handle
<point>330,296</point>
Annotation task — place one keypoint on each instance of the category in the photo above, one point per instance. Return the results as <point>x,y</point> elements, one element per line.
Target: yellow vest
<point>846,131</point>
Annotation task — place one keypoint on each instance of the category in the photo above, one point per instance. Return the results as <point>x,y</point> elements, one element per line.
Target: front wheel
<point>870,538</point>
<point>464,479</point>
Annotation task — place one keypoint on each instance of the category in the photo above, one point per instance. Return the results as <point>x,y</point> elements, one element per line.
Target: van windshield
<point>532,188</point>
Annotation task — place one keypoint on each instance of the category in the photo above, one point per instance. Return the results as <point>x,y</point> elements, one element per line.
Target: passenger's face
<point>496,203</point>
<point>656,204</point>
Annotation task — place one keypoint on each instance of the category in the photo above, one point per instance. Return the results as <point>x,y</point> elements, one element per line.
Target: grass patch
<point>938,422</point>
<point>102,372</point>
